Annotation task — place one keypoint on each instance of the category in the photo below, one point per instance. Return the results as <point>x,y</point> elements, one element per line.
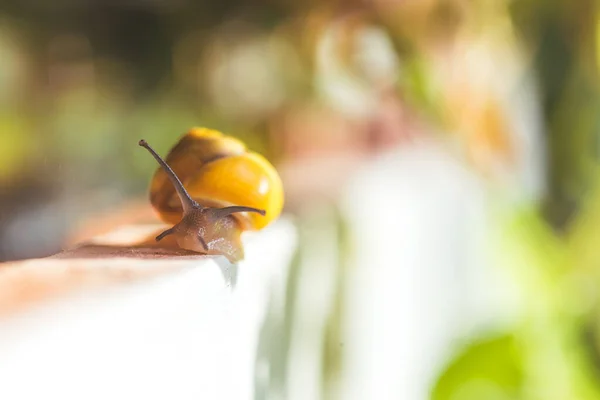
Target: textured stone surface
<point>115,258</point>
<point>122,317</point>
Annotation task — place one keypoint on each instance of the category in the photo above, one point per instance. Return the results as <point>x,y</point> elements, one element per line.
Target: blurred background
<point>440,157</point>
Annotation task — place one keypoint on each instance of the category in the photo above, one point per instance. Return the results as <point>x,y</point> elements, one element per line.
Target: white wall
<point>190,332</point>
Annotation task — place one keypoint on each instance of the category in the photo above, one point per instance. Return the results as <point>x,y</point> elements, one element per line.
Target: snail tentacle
<point>165,233</point>
<point>186,200</point>
<point>218,213</point>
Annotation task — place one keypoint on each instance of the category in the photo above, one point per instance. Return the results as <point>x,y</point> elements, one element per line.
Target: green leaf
<point>488,369</point>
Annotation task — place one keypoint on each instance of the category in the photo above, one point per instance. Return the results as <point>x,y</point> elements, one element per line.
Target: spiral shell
<point>218,171</point>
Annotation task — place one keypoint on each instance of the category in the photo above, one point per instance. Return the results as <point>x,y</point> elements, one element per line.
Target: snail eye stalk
<point>186,200</point>
<point>218,213</point>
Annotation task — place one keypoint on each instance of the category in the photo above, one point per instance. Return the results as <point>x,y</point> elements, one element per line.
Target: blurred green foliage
<point>563,39</point>
<point>552,351</point>
<point>488,369</point>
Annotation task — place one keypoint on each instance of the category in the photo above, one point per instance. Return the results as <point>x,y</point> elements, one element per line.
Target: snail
<point>212,189</point>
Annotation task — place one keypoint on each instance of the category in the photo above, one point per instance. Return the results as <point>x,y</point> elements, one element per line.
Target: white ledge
<point>180,327</point>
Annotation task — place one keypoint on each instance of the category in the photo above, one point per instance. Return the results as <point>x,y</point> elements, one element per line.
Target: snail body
<point>212,189</point>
